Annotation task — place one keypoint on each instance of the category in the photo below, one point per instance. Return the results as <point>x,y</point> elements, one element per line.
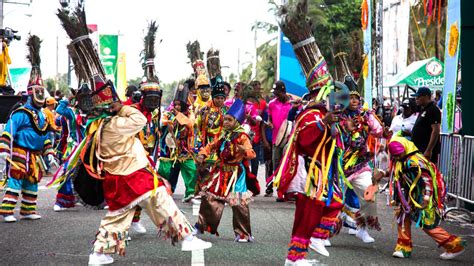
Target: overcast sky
<point>224,25</point>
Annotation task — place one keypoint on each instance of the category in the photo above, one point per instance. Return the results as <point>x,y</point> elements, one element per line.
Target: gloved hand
<point>52,161</point>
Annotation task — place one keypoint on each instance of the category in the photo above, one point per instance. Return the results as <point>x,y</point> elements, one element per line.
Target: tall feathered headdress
<point>151,82</point>
<point>297,27</point>
<point>86,58</point>
<point>195,55</point>
<point>214,69</point>
<point>34,45</point>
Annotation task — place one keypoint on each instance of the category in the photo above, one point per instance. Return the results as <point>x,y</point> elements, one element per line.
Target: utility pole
<point>1,14</point>
<point>379,51</point>
<point>256,53</point>
<point>238,64</point>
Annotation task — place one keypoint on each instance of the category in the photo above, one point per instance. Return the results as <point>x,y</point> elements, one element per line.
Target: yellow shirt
<point>50,119</point>
<point>119,148</point>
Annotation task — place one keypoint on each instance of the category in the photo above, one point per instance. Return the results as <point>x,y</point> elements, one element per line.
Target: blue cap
<point>423,91</point>
<point>237,110</point>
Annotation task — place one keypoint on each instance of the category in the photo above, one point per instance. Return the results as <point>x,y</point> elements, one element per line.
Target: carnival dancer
<point>201,83</point>
<point>149,105</point>
<point>358,161</point>
<point>114,158</point>
<point>177,143</point>
<point>71,137</point>
<point>314,145</point>
<point>210,118</point>
<point>23,144</point>
<point>227,182</point>
<point>418,192</point>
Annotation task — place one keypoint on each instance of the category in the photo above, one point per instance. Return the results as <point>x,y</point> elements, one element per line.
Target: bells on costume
<point>237,110</point>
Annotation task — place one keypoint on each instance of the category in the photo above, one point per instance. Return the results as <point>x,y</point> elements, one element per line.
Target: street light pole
<point>1,14</point>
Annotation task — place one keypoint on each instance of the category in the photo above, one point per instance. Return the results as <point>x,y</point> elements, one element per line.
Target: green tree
<point>266,65</point>
<point>136,81</point>
<point>246,74</point>
<point>62,82</point>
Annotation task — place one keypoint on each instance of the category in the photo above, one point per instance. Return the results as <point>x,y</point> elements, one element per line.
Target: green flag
<point>109,55</point>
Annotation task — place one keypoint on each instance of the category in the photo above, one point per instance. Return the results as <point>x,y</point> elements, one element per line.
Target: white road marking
<point>197,257</point>
<point>45,187</point>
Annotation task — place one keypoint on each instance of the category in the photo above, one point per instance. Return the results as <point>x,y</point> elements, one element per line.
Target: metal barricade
<point>457,164</point>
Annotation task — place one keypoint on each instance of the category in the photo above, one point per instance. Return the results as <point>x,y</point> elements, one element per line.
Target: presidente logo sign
<point>432,77</point>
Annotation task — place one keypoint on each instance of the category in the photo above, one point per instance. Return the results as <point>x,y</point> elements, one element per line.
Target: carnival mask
<point>38,96</point>
<point>205,93</point>
<point>151,102</point>
<point>339,97</point>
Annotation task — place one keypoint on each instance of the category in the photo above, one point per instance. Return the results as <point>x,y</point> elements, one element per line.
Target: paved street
<point>64,238</point>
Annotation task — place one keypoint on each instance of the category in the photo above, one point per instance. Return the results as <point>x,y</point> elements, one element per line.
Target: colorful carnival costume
<point>315,144</point>
<point>177,143</point>
<point>201,83</point>
<point>210,118</point>
<point>418,192</point>
<point>149,105</point>
<point>358,162</point>
<point>73,136</point>
<point>23,144</point>
<point>114,158</point>
<point>228,178</point>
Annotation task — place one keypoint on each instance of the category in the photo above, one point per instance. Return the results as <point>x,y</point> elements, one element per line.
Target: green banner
<point>19,78</point>
<point>109,55</point>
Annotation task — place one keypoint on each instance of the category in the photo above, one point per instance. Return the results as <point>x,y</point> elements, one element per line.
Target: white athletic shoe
<point>327,243</point>
<point>352,231</point>
<point>100,259</point>
<point>58,208</point>
<point>363,235</point>
<point>138,227</point>
<point>399,254</point>
<point>195,244</point>
<point>317,245</point>
<point>9,219</point>
<point>449,256</point>
<point>30,217</point>
<point>303,262</point>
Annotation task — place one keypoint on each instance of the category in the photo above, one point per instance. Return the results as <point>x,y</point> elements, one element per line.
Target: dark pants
<point>267,157</point>
<point>257,147</point>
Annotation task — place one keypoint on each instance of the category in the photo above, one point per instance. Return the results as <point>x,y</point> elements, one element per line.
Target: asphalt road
<point>64,239</point>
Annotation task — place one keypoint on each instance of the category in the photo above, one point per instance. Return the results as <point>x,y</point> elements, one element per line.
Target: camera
<point>8,35</point>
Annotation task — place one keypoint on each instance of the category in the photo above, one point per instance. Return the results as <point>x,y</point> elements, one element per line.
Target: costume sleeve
<point>375,128</point>
<point>64,110</point>
<point>184,120</point>
<point>244,146</point>
<point>309,135</point>
<point>16,121</point>
<point>210,148</point>
<point>129,121</point>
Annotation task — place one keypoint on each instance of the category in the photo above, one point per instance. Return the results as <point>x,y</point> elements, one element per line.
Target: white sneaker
<point>9,219</point>
<point>303,262</point>
<point>138,227</point>
<point>352,231</point>
<point>363,235</point>
<point>100,259</point>
<point>399,254</point>
<point>449,256</point>
<point>195,244</point>
<point>30,217</point>
<point>317,245</point>
<point>58,208</point>
<point>327,243</point>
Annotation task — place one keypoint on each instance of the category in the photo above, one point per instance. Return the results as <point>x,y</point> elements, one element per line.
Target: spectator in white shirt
<point>402,124</point>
